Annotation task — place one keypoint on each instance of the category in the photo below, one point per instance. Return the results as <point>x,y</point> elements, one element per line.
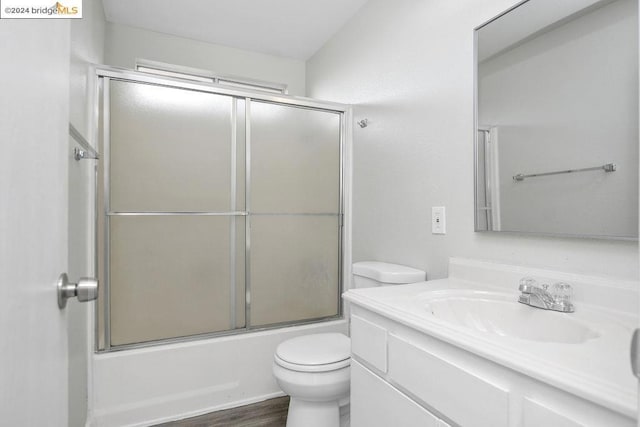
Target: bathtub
<point>163,383</point>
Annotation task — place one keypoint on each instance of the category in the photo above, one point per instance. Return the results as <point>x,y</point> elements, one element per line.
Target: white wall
<point>407,65</point>
<point>87,45</point>
<point>125,44</point>
<point>567,99</point>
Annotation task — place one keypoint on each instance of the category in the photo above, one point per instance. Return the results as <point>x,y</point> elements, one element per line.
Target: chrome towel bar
<point>609,167</point>
<point>87,151</point>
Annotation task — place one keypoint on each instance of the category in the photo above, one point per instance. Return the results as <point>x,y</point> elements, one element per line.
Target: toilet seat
<point>313,368</point>
<point>315,353</point>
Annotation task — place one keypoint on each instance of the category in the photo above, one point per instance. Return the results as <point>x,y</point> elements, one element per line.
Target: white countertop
<point>597,369</point>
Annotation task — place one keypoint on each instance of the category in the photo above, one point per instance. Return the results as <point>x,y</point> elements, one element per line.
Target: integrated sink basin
<point>501,314</point>
<point>584,354</point>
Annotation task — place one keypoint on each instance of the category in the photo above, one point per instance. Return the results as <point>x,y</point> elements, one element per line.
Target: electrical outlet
<point>438,220</point>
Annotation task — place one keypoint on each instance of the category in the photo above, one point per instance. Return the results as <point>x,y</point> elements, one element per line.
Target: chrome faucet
<point>558,299</point>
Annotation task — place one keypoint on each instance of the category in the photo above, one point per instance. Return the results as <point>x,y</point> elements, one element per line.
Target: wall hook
<point>363,123</point>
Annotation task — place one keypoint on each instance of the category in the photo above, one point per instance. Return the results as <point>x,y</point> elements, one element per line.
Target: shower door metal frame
<point>485,206</point>
<point>104,75</point>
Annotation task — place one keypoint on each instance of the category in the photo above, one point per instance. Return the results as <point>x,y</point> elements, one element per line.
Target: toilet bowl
<point>314,370</point>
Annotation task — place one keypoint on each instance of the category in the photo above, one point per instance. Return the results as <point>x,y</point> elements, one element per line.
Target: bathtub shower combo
<point>220,211</point>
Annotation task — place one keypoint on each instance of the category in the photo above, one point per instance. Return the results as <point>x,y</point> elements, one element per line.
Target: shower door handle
<point>85,290</point>
<point>635,353</point>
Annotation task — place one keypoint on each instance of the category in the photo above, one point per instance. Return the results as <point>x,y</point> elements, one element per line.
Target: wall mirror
<point>556,141</point>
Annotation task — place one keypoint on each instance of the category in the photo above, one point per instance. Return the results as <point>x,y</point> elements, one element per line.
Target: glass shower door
<point>295,206</point>
<point>219,213</point>
<point>174,223</point>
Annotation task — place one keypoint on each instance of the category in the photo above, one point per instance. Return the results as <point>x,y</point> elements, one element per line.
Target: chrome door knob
<point>85,290</point>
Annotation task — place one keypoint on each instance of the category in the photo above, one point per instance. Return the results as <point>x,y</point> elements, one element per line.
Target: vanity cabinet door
<point>465,397</point>
<point>369,343</point>
<point>374,403</point>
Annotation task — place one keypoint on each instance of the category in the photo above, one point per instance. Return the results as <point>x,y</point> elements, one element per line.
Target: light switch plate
<point>438,220</point>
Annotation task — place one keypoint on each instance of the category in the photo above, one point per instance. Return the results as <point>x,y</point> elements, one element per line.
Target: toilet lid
<point>315,349</point>
<point>388,273</point>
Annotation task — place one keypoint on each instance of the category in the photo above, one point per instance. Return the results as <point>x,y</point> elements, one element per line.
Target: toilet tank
<point>367,274</point>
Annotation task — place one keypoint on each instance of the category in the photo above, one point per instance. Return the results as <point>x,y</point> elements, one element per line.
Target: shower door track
<point>295,101</point>
<point>110,73</point>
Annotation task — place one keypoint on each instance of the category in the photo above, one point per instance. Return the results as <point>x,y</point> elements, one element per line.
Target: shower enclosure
<point>487,179</point>
<point>220,211</point>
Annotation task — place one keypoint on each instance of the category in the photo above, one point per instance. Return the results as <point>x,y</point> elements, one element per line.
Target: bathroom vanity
<point>463,351</point>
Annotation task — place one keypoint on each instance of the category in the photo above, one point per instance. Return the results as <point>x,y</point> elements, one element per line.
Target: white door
<point>34,101</point>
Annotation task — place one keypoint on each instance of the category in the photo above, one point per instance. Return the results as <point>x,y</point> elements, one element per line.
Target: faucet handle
<point>527,284</point>
<point>562,294</point>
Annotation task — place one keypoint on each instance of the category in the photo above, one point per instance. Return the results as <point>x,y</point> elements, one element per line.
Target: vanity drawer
<point>536,414</point>
<point>464,397</point>
<point>369,343</point>
<point>374,403</point>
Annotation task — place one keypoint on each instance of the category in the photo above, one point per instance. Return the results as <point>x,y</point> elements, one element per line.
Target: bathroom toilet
<point>368,274</point>
<point>314,370</point>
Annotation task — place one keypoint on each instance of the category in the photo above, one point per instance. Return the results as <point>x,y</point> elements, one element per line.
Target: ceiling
<point>290,28</point>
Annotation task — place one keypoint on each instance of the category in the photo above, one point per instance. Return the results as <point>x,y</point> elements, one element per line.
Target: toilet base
<point>313,414</point>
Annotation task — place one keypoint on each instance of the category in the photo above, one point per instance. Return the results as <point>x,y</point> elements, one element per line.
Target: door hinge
<point>635,353</point>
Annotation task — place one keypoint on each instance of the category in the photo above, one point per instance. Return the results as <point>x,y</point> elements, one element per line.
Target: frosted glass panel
<point>294,268</point>
<point>171,276</point>
<point>170,149</point>
<point>171,154</point>
<point>295,160</point>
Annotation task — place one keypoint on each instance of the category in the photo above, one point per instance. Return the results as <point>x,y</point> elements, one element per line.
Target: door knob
<point>85,290</point>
